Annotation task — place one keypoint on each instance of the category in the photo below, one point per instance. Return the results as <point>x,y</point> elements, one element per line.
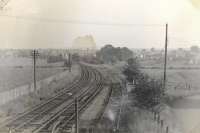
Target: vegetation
<point>131,69</point>
<point>110,54</point>
<point>148,91</point>
<point>75,57</point>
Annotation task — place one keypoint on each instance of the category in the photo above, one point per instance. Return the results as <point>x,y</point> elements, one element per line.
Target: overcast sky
<point>54,24</point>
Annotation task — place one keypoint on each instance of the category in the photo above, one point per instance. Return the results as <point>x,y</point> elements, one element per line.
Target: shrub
<point>131,70</point>
<point>148,92</point>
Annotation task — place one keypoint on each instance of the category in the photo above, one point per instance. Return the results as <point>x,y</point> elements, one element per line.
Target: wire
<point>51,20</point>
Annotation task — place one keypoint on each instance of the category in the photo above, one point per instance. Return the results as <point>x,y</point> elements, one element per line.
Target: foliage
<point>75,57</point>
<point>54,59</point>
<point>131,70</point>
<point>91,60</point>
<point>110,54</point>
<point>148,92</point>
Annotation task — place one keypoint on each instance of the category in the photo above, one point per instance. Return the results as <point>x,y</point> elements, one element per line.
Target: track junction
<point>58,113</point>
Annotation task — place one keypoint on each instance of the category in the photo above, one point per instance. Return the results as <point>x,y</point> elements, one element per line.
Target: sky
<point>130,23</point>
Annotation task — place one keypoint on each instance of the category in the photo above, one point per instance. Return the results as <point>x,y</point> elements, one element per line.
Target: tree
<point>75,57</point>
<point>131,70</point>
<point>152,49</point>
<point>148,92</point>
<point>110,54</point>
<point>126,54</point>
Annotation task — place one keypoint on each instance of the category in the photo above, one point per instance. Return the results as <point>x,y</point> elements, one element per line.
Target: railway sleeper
<point>67,114</point>
<point>35,125</point>
<point>70,109</point>
<point>45,131</point>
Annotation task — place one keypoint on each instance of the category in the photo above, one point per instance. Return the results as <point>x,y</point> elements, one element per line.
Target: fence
<point>15,93</point>
<point>161,126</point>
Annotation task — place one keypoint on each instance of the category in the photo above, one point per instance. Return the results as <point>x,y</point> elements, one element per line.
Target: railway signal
<point>34,54</point>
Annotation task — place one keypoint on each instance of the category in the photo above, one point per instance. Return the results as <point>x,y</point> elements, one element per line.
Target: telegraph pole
<point>69,61</point>
<point>34,54</point>
<point>165,63</point>
<point>76,113</point>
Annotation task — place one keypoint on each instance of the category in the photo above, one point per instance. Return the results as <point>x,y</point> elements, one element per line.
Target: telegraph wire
<point>52,20</point>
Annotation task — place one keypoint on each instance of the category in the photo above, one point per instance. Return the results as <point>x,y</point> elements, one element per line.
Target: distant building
<point>146,54</point>
<point>84,45</point>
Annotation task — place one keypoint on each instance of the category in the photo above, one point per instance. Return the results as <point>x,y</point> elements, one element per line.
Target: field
<point>15,72</point>
<point>170,64</point>
<point>178,80</point>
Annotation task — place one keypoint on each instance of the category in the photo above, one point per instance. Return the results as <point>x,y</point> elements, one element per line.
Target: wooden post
<point>34,64</point>
<point>34,54</point>
<point>161,124</point>
<point>165,63</point>
<point>158,119</point>
<point>76,113</point>
<point>154,116</point>
<point>167,129</point>
<point>158,123</point>
<point>10,130</point>
<point>69,61</point>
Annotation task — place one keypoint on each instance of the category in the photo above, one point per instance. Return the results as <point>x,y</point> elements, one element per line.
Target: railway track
<point>58,112</point>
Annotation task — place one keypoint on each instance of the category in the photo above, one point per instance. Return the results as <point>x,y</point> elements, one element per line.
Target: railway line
<point>58,113</point>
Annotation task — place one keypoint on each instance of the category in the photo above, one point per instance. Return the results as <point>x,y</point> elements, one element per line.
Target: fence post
<point>158,122</point>
<point>154,116</point>
<point>167,129</point>
<point>69,62</point>
<point>161,124</point>
<point>10,131</point>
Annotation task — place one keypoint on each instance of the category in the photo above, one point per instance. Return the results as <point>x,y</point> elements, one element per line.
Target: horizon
<point>98,48</point>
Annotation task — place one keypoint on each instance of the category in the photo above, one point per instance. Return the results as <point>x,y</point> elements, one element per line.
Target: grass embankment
<point>180,83</point>
<point>46,91</point>
<point>16,72</point>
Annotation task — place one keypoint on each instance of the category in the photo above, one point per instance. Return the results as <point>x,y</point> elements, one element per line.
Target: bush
<point>148,92</point>
<point>131,70</point>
